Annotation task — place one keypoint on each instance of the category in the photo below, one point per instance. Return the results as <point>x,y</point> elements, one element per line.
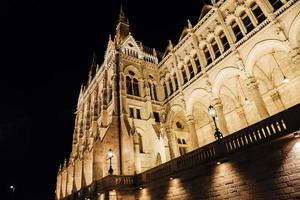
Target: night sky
<point>46,50</point>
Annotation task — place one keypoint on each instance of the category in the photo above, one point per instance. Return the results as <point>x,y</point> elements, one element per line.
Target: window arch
<point>236,30</point>
<point>197,62</point>
<point>258,13</point>
<point>165,90</point>
<point>207,55</point>
<point>215,48</point>
<point>224,41</point>
<point>153,92</point>
<point>246,21</point>
<point>170,86</point>
<point>191,70</point>
<point>175,81</point>
<point>132,86</point>
<point>184,76</point>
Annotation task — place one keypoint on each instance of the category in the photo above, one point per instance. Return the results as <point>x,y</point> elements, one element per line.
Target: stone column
<point>258,100</point>
<point>241,113</point>
<point>174,151</point>
<point>275,96</point>
<point>221,118</point>
<point>193,138</point>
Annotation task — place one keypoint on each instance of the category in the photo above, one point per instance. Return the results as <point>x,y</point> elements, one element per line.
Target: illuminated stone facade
<point>242,57</point>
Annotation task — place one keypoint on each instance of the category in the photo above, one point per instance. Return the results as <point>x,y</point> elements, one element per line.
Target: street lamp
<point>12,188</point>
<point>213,114</point>
<point>110,156</point>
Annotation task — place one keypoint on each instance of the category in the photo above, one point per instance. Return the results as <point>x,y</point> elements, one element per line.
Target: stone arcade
<point>151,109</point>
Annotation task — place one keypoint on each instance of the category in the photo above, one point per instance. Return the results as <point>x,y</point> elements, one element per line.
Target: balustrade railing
<point>276,126</point>
<point>269,129</point>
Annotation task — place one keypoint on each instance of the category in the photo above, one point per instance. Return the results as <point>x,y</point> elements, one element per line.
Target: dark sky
<point>46,50</point>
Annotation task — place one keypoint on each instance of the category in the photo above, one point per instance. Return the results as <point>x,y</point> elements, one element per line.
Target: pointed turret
<point>122,29</point>
<point>190,26</point>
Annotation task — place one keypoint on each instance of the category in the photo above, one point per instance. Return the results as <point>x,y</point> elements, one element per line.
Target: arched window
<point>170,86</point>
<point>207,55</point>
<point>184,76</point>
<point>128,85</point>
<point>258,13</point>
<point>132,86</point>
<point>276,4</point>
<point>136,87</point>
<point>191,70</point>
<point>176,82</point>
<point>224,41</point>
<point>197,62</point>
<point>182,146</point>
<point>236,30</point>
<point>215,48</point>
<point>247,21</point>
<point>165,90</point>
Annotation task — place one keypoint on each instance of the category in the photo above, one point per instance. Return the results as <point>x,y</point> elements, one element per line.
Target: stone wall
<point>269,171</point>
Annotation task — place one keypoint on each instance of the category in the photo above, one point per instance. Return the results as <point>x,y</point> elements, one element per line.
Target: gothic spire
<point>122,29</point>
<point>122,17</point>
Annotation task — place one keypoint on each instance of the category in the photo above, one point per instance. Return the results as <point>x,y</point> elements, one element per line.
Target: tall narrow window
<point>184,76</point>
<point>128,85</point>
<point>136,87</point>
<point>131,112</point>
<point>132,86</point>
<point>258,13</point>
<point>207,55</point>
<point>190,67</point>
<point>156,116</point>
<point>176,82</point>
<point>165,90</point>
<point>154,92</point>
<point>138,113</point>
<point>170,86</point>
<point>224,41</point>
<point>198,65</point>
<point>276,4</point>
<point>215,48</point>
<point>236,30</point>
<point>247,21</point>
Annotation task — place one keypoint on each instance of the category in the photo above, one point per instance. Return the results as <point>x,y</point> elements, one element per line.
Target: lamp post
<point>211,110</point>
<point>12,188</point>
<point>110,156</point>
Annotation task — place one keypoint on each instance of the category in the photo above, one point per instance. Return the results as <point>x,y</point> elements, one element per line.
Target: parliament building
<point>214,116</point>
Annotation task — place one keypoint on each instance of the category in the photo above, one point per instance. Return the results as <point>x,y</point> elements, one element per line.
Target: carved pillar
<point>141,88</point>
<point>221,118</point>
<point>241,113</point>
<point>193,138</point>
<point>275,96</point>
<point>174,150</point>
<point>258,100</point>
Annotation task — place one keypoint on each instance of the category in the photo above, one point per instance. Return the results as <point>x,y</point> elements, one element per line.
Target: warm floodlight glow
<point>212,111</point>
<point>247,101</point>
<point>110,153</point>
<point>285,79</point>
<point>219,163</point>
